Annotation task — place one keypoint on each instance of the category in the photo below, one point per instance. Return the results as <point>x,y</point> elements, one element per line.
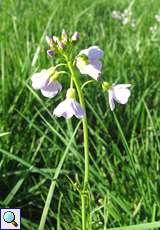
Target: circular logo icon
<point>9,217</point>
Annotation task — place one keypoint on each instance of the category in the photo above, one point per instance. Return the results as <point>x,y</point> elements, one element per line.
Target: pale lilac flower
<point>133,23</point>
<point>125,21</point>
<point>127,13</point>
<point>153,29</point>
<point>119,93</point>
<point>116,15</point>
<point>51,89</point>
<point>88,62</point>
<point>124,16</point>
<point>69,107</point>
<point>157,17</point>
<point>42,81</point>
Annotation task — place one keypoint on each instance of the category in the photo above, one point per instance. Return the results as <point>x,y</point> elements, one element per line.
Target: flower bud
<point>75,37</point>
<point>49,41</point>
<point>61,45</point>
<point>64,37</point>
<point>50,53</point>
<point>106,86</point>
<point>55,39</point>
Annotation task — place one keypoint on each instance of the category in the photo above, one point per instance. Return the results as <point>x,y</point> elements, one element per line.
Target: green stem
<point>84,196</point>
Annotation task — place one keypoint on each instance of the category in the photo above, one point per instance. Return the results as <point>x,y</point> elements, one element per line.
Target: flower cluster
<point>157,17</point>
<point>57,44</point>
<point>88,61</point>
<point>153,29</point>
<point>125,17</point>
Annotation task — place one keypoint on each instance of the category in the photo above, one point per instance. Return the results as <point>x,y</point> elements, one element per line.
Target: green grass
<point>37,149</point>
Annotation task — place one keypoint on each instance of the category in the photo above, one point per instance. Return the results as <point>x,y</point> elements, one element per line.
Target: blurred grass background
<point>124,145</point>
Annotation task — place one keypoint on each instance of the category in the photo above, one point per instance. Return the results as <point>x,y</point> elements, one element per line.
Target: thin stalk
<point>71,83</point>
<point>84,195</point>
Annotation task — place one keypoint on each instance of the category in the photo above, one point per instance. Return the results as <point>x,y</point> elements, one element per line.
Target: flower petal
<point>122,86</point>
<point>85,52</point>
<point>121,93</point>
<point>64,109</point>
<point>78,110</point>
<point>91,71</point>
<point>94,52</point>
<point>68,108</point>
<point>96,64</point>
<point>39,80</point>
<point>111,100</point>
<point>51,89</point>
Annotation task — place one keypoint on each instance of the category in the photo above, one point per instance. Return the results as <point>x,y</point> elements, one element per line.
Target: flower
<point>125,17</point>
<point>125,21</point>
<point>88,62</point>
<point>46,82</point>
<point>75,37</point>
<point>69,107</point>
<point>116,14</point>
<point>157,17</point>
<point>153,29</point>
<point>133,23</point>
<point>119,93</point>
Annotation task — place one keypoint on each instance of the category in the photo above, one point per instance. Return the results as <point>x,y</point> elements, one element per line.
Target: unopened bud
<point>64,37</point>
<point>106,86</point>
<point>50,53</point>
<point>55,39</point>
<point>61,45</point>
<point>75,37</point>
<point>49,41</point>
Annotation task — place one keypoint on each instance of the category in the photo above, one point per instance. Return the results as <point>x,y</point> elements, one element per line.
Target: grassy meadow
<point>37,148</point>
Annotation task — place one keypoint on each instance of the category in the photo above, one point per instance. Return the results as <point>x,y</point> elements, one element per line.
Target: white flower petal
<point>111,100</point>
<point>85,52</point>
<point>39,80</point>
<point>119,93</point>
<point>91,71</point>
<point>64,109</point>
<point>122,86</point>
<point>68,108</point>
<point>51,89</point>
<point>122,95</point>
